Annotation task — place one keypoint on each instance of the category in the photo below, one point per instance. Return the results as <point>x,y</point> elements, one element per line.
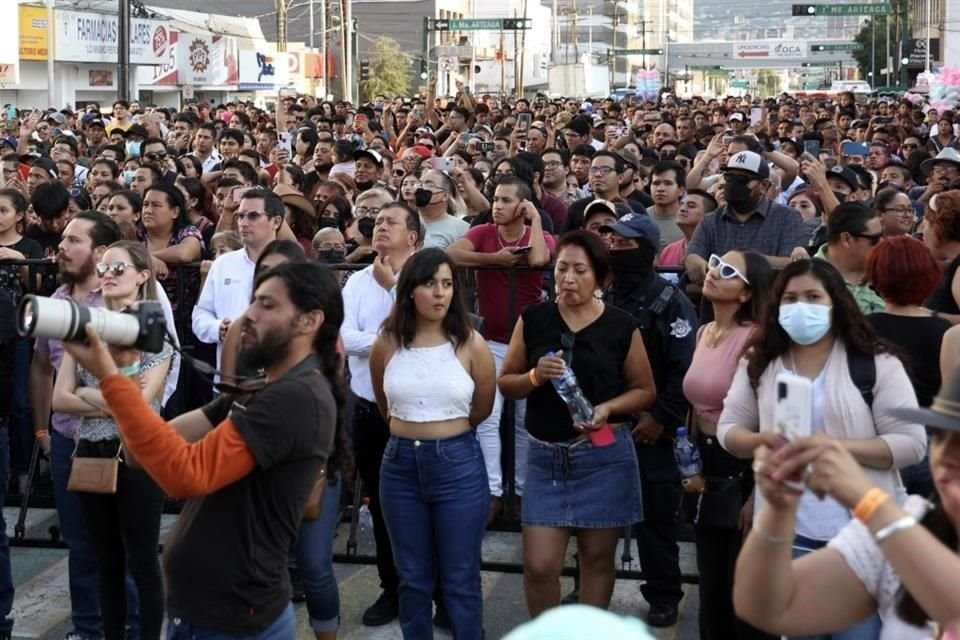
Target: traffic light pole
<point>904,48</point>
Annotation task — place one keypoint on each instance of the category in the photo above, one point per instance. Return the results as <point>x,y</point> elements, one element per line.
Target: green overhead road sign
<point>477,24</point>
<point>818,64</point>
<point>740,84</point>
<point>636,52</point>
<point>874,9</point>
<point>853,46</point>
<point>705,67</point>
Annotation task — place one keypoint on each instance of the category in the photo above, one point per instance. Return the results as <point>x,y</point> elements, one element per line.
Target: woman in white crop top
<point>434,379</point>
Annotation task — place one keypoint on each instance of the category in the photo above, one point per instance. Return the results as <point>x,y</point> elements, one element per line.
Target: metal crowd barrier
<point>506,520</point>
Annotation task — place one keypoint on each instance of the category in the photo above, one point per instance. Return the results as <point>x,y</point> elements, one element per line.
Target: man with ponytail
<point>246,464</point>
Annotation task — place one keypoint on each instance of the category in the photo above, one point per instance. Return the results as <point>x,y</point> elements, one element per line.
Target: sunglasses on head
<point>117,267</point>
<point>726,270</point>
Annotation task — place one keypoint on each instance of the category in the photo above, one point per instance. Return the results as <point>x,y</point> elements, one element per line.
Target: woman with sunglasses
<point>736,285</point>
<point>813,328</point>
<point>124,527</point>
<point>897,557</point>
<point>397,174</point>
<point>433,480</point>
<point>582,478</point>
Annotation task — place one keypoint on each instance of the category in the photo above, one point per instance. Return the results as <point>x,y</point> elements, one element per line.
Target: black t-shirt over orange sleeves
<point>247,484</point>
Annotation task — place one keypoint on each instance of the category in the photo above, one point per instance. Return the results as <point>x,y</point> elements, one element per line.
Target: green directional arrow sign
<point>478,24</point>
<point>818,64</point>
<point>875,9</point>
<point>705,67</point>
<point>638,52</point>
<point>852,46</point>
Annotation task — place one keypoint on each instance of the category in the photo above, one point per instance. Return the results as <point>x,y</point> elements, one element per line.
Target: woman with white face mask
<point>814,329</point>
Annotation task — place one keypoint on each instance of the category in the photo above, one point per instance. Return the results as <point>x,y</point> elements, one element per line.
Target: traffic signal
<point>804,9</point>
<point>805,64</point>
<point>424,73</point>
<point>818,47</point>
<point>514,24</point>
<point>364,70</point>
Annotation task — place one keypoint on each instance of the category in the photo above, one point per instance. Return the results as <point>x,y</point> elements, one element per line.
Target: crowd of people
<point>675,255</point>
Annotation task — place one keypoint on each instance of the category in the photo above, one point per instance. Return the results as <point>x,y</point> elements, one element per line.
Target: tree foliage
<point>862,56</point>
<point>768,82</point>
<point>389,71</point>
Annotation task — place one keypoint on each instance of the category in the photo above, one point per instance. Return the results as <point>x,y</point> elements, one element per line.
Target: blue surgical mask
<point>804,322</point>
<point>133,149</point>
<point>128,177</point>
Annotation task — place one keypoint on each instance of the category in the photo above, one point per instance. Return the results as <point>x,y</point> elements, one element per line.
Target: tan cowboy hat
<point>295,199</point>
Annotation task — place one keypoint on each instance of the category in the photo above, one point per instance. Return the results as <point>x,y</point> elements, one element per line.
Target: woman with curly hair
<point>941,234</point>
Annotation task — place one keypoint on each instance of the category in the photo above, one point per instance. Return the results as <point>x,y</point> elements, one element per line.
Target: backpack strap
<point>863,372</point>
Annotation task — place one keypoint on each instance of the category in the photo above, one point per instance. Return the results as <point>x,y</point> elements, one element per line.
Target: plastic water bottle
<point>581,410</point>
<point>688,461</point>
<point>569,390</point>
<point>365,518</point>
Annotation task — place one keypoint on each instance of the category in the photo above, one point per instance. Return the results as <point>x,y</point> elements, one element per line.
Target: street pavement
<point>42,603</point>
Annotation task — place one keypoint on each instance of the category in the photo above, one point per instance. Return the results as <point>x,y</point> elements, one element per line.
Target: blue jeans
<point>6,579</point>
<point>313,552</point>
<point>867,629</point>
<point>283,628</point>
<point>82,563</point>
<point>20,438</point>
<point>435,499</point>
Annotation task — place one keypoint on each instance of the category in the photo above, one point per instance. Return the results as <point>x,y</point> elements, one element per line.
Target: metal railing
<point>506,520</point>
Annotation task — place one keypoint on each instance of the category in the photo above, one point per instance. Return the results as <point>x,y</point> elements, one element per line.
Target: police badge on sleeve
<point>680,328</point>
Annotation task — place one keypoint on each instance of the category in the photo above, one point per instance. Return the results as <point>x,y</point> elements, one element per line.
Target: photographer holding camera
<point>124,525</point>
<point>247,464</point>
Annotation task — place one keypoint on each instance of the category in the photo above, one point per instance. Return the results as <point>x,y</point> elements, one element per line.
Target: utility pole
<point>523,47</point>
<point>904,31</point>
<point>517,84</point>
<point>281,26</point>
<point>325,68</point>
<point>887,61</point>
<point>123,37</point>
<point>926,66</point>
<point>348,44</point>
<point>51,28</point>
<point>643,39</point>
<point>873,52</point>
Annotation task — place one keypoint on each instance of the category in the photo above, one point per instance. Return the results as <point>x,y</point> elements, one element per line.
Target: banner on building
<point>263,70</point>
<point>9,44</point>
<point>916,52</point>
<point>207,60</point>
<point>34,44</point>
<point>94,37</point>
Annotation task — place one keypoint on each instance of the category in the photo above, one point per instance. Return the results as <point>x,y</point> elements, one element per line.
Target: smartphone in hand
<point>793,413</point>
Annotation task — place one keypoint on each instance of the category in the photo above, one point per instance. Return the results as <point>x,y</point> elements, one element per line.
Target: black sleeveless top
<point>942,300</point>
<point>599,351</point>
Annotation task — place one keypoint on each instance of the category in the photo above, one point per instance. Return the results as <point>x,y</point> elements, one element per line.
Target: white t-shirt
<point>866,560</point>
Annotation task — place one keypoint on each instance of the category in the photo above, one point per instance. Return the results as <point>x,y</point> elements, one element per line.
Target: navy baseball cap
<point>635,226</point>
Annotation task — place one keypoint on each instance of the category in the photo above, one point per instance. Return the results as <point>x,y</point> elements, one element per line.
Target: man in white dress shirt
<point>226,292</point>
<point>367,300</point>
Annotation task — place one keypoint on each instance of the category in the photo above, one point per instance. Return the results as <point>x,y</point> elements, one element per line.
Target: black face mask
<point>365,227</point>
<point>631,267</point>
<point>840,196</point>
<point>326,222</point>
<point>422,197</point>
<point>736,191</point>
<point>331,256</point>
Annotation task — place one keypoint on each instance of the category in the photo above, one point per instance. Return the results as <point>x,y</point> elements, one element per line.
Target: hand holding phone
<point>793,413</point>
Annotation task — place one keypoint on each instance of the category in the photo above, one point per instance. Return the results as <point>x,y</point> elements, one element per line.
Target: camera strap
<point>240,385</point>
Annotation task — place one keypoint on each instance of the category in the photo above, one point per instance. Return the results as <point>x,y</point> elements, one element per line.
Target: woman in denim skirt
<point>582,478</point>
<point>434,379</point>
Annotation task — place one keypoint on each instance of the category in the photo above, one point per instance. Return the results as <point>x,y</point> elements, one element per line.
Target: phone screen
<point>284,140</point>
<point>756,115</point>
<point>812,147</point>
<point>442,164</point>
<point>238,193</point>
<point>523,121</point>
